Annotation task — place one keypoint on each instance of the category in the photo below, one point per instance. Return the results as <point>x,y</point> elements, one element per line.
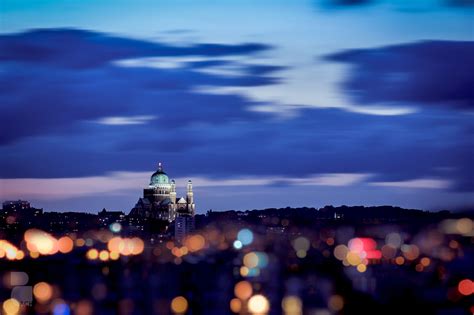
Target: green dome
<point>159,177</point>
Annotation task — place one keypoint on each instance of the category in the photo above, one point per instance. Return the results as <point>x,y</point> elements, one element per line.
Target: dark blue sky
<point>343,107</point>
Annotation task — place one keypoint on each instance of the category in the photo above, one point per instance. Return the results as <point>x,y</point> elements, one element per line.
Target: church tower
<point>189,193</point>
<point>173,191</point>
<point>160,202</point>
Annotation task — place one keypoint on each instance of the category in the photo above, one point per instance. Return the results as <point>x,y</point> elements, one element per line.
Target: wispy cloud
<point>338,179</point>
<point>120,182</point>
<point>382,110</point>
<point>422,183</point>
<point>126,120</point>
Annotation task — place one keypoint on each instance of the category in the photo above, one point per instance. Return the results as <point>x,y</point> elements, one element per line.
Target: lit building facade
<point>160,202</point>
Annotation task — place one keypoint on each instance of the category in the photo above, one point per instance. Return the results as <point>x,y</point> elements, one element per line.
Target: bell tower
<point>189,193</point>
<point>173,191</point>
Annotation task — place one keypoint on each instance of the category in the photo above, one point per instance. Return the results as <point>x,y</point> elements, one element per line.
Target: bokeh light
<point>235,305</point>
<point>43,292</point>
<point>61,308</point>
<point>92,254</point>
<point>115,227</point>
<point>237,244</point>
<point>243,290</point>
<point>258,304</point>
<point>11,307</point>
<point>195,243</point>
<point>251,260</point>
<point>292,305</point>
<point>466,287</point>
<point>65,244</point>
<point>245,236</point>
<point>336,303</point>
<point>179,305</point>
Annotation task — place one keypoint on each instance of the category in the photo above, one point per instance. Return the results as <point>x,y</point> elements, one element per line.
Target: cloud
<point>381,110</point>
<point>66,48</point>
<point>52,80</point>
<point>423,183</point>
<point>130,120</point>
<point>335,180</point>
<point>120,182</point>
<point>428,73</point>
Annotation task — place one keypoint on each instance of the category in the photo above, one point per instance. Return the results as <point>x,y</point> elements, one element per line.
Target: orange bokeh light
<point>243,290</point>
<point>65,244</point>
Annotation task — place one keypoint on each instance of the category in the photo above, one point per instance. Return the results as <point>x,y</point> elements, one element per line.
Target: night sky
<point>260,103</point>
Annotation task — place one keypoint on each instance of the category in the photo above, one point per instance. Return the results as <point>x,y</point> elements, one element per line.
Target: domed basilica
<point>159,199</point>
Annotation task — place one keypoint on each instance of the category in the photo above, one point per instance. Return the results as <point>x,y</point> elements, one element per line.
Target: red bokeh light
<point>367,245</point>
<point>466,287</point>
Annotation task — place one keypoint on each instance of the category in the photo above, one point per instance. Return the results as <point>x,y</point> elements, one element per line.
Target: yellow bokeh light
<point>114,255</point>
<point>11,306</point>
<point>361,268</point>
<point>184,250</point>
<point>34,255</point>
<point>258,304</point>
<point>92,254</point>
<point>353,258</point>
<point>104,255</point>
<point>20,255</point>
<point>292,305</point>
<point>244,271</point>
<point>40,241</point>
<point>251,260</point>
<point>301,253</point>
<point>179,305</point>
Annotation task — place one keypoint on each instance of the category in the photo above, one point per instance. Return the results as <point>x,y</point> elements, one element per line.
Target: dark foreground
<point>225,268</point>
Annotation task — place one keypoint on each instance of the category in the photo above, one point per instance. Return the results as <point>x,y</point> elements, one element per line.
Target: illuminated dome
<point>159,177</point>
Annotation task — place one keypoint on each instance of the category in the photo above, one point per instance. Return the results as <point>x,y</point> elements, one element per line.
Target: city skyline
<point>306,103</point>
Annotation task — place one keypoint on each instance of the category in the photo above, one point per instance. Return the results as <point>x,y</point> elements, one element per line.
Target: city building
<point>106,218</point>
<point>160,202</point>
<point>15,205</point>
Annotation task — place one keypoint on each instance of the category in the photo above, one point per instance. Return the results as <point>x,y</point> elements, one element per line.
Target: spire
<point>160,167</point>
<point>190,186</point>
<point>190,197</point>
<point>173,186</point>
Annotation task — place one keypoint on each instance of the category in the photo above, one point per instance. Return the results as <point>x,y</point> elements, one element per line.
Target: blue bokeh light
<point>245,236</point>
